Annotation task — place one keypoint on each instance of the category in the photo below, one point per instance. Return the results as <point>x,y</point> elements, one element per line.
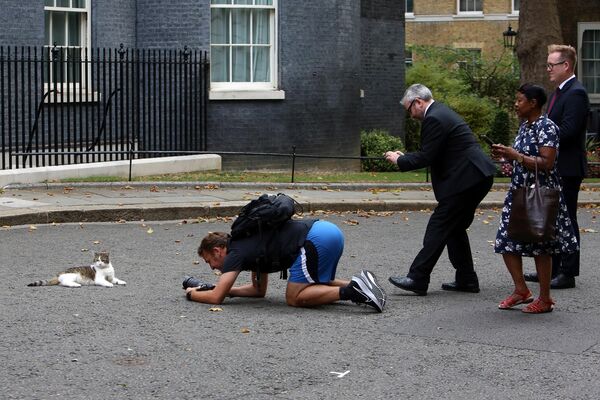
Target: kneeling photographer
<point>310,249</point>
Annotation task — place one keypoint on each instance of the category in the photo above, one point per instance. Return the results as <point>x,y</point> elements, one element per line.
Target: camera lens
<point>190,281</point>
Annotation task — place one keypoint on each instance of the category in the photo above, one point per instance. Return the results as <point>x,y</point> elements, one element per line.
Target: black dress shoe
<point>562,281</point>
<point>469,287</point>
<point>409,284</point>
<point>530,276</point>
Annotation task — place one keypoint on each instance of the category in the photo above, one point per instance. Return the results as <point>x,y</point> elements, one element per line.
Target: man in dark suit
<point>461,176</point>
<point>568,108</point>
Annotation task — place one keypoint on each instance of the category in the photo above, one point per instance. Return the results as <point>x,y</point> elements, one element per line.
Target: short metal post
<point>293,162</point>
<point>130,158</point>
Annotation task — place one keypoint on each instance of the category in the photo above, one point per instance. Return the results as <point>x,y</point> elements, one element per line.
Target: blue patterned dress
<point>541,133</point>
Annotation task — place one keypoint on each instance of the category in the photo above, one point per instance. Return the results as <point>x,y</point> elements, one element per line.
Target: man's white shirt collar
<point>565,82</point>
<point>427,109</point>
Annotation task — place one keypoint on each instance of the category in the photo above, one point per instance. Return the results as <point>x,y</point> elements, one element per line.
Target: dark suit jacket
<point>449,147</point>
<point>570,113</point>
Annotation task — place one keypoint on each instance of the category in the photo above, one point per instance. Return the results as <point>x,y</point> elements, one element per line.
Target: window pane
<point>78,3</point>
<point>264,2</point>
<point>58,28</point>
<point>63,3</point>
<point>240,30</point>
<point>47,29</point>
<point>219,64</point>
<point>74,29</point>
<point>220,1</point>
<point>242,1</point>
<point>409,6</point>
<point>49,3</point>
<point>516,4</point>
<point>587,50</point>
<point>219,30</point>
<point>74,65</point>
<point>478,6</point>
<point>241,64</point>
<point>260,22</point>
<point>261,68</point>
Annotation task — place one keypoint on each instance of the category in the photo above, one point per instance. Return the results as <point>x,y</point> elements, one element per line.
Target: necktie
<point>556,94</point>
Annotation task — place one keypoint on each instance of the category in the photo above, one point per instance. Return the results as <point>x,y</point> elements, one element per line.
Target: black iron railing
<point>69,105</point>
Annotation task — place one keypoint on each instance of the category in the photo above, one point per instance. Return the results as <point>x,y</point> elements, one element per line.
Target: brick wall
<point>322,66</point>
<point>319,71</point>
<point>382,65</point>
<point>463,32</point>
<point>167,24</point>
<point>21,23</point>
<point>113,23</point>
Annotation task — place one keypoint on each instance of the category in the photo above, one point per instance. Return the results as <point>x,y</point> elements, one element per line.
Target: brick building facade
<point>476,27</point>
<point>336,66</point>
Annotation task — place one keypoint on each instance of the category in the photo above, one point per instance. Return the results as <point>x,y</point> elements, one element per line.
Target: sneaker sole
<point>373,300</point>
<point>371,281</point>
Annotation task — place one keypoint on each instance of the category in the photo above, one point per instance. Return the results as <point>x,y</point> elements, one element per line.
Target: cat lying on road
<point>100,272</point>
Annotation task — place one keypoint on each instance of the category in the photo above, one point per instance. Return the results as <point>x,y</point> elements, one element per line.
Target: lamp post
<point>509,37</point>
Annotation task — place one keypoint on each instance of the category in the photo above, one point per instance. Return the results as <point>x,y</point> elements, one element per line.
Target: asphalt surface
<point>144,340</point>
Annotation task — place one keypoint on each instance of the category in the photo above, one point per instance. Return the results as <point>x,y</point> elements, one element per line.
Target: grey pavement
<point>145,340</point>
<point>59,203</point>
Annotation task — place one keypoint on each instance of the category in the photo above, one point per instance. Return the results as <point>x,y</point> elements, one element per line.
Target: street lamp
<point>509,37</point>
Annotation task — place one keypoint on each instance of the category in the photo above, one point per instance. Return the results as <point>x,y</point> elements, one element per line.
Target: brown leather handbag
<point>534,211</point>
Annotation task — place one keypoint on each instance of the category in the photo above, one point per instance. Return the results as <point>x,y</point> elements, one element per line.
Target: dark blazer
<point>449,147</point>
<point>570,112</point>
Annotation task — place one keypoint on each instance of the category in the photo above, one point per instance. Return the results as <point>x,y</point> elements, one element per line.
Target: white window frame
<point>514,10</point>
<point>74,88</point>
<point>581,28</point>
<point>252,90</point>
<point>472,13</point>
<point>409,14</point>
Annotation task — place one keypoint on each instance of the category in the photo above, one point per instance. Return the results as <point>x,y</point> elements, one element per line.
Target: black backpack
<point>265,213</point>
<point>263,216</point>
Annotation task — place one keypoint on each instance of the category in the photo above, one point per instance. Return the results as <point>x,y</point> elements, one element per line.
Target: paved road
<point>146,341</point>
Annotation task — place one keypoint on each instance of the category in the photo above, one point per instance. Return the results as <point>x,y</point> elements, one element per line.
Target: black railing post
<point>293,162</point>
<point>130,158</point>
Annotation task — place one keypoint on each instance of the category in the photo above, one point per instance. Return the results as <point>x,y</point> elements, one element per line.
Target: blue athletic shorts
<point>318,259</point>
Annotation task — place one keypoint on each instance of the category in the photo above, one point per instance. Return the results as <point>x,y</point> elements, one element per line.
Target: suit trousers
<point>447,227</point>
<point>568,264</point>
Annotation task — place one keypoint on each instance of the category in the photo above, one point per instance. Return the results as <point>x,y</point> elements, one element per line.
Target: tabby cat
<point>100,272</point>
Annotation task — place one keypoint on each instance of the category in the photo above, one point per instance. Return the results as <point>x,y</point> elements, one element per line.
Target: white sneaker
<point>371,293</point>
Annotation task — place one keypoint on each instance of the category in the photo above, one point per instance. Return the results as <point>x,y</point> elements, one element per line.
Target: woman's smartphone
<point>487,140</point>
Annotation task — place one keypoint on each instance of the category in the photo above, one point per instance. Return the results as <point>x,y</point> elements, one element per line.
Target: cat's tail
<point>49,282</point>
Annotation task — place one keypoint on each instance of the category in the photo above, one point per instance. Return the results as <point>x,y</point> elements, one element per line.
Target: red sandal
<point>539,306</point>
<point>515,299</point>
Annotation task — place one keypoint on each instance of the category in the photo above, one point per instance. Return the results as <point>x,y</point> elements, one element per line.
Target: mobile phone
<point>487,140</point>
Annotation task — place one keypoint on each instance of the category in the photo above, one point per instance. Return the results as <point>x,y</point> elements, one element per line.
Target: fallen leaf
<point>32,227</point>
<point>150,231</point>
<point>96,242</point>
<point>215,309</point>
<point>245,330</point>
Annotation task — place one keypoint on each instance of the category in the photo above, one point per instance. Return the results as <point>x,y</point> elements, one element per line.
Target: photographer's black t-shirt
<point>277,249</point>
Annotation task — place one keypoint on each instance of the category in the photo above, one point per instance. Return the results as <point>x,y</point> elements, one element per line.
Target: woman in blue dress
<point>536,142</point>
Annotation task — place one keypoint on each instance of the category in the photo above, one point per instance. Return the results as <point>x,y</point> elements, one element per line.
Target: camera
<point>190,281</point>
